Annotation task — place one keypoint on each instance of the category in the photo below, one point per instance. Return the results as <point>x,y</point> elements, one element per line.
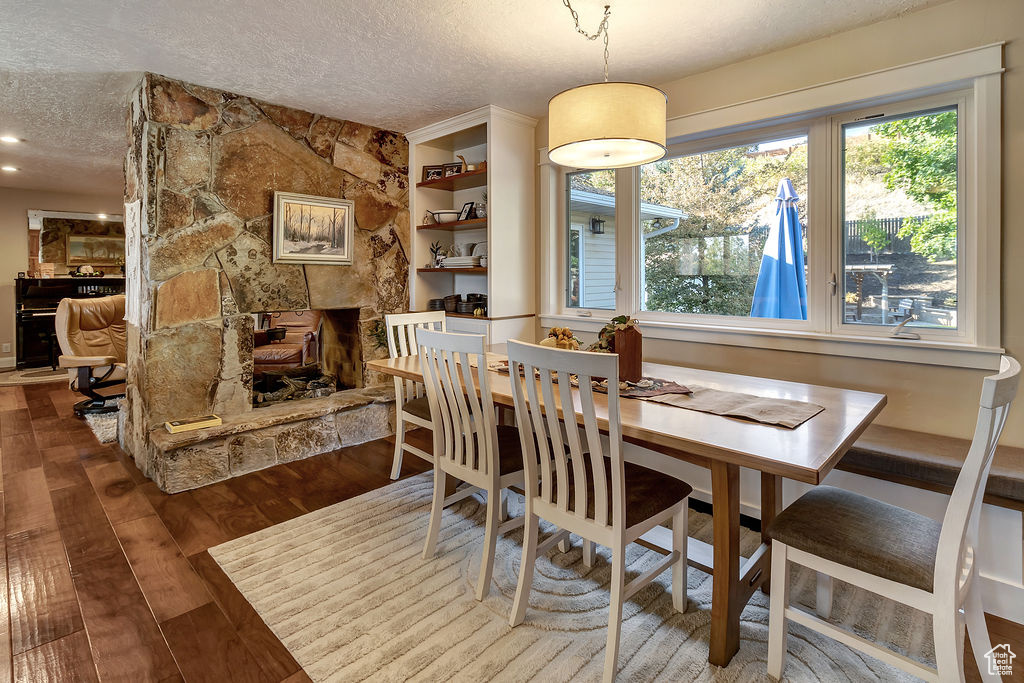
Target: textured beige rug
<point>346,591</point>
<point>15,378</point>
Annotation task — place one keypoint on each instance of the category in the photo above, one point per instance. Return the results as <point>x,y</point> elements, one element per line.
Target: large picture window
<point>840,219</point>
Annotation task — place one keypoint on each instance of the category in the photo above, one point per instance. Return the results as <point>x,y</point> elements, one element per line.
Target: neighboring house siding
<point>598,276</point>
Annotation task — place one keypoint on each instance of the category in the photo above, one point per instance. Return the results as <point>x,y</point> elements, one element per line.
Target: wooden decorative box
<point>629,347</point>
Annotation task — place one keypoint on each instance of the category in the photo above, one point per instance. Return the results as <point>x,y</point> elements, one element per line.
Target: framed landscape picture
<point>94,250</point>
<point>310,229</point>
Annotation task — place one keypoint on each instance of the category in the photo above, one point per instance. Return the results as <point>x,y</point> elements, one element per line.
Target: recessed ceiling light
<point>101,216</point>
<point>9,138</point>
<point>9,169</point>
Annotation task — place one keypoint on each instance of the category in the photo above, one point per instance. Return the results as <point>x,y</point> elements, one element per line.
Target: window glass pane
<point>705,222</point>
<point>900,220</point>
<point>591,239</point>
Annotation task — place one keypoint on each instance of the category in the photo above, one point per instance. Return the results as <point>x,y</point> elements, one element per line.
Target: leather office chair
<point>299,347</point>
<point>93,336</point>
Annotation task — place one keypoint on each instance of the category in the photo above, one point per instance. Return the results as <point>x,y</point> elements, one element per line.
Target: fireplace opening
<point>305,354</point>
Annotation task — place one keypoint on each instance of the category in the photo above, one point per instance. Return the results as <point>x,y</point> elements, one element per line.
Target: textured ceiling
<point>67,65</point>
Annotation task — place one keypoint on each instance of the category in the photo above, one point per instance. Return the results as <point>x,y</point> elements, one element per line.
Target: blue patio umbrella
<point>781,290</point>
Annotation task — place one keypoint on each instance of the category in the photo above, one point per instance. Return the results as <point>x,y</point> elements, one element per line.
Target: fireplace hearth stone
<point>281,433</point>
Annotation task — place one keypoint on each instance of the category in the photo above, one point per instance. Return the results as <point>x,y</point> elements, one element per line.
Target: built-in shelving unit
<point>505,141</point>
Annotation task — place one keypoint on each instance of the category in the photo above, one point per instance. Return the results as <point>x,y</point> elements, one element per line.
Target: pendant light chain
<point>602,28</point>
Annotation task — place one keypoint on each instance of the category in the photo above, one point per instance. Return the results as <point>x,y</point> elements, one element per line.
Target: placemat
<point>778,411</point>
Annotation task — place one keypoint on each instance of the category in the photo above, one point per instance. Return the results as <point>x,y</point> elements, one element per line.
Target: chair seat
<point>647,492</point>
<point>862,533</point>
<point>277,353</point>
<point>510,450</point>
<point>417,407</point>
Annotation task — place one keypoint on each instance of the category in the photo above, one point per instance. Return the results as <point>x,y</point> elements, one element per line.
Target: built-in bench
<point>932,462</point>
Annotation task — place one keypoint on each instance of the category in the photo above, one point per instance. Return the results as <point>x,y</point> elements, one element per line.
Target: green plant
<point>874,235</point>
<point>379,332</point>
<point>921,153</point>
<point>606,337</point>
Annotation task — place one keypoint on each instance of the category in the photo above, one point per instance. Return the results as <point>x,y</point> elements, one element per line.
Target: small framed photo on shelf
<point>452,169</point>
<point>467,211</point>
<point>433,172</point>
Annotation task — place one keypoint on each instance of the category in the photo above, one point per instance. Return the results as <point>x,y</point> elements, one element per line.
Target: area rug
<point>16,378</point>
<point>104,425</point>
<point>347,592</point>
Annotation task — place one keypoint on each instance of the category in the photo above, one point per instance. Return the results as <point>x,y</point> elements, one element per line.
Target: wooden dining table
<point>723,445</point>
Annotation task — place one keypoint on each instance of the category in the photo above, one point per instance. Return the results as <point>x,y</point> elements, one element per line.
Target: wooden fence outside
<point>855,243</point>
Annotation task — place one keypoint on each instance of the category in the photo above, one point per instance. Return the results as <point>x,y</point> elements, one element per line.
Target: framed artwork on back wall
<point>317,230</point>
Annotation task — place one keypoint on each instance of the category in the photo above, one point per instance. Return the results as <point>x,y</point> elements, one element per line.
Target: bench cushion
<point>863,533</point>
<point>932,462</point>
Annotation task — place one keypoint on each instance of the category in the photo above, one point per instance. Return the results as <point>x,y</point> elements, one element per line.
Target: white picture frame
<point>313,230</point>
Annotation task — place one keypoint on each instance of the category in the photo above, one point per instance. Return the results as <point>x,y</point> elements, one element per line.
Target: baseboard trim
<point>1002,598</point>
<point>8,362</point>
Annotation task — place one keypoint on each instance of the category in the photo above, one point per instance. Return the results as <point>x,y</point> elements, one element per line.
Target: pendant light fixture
<point>606,125</point>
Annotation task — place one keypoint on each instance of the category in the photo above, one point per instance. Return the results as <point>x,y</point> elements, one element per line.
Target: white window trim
<point>978,70</point>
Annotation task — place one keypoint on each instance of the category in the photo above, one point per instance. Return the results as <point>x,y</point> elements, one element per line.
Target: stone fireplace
<point>201,172</point>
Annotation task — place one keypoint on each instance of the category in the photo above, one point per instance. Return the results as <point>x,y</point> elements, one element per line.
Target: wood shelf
<point>471,224</point>
<point>461,181</point>
<point>468,316</point>
<point>476,269</point>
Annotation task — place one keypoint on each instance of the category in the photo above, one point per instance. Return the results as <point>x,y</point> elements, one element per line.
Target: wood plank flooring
<point>107,578</point>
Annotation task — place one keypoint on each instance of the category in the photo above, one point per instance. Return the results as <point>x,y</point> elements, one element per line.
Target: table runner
<point>775,411</point>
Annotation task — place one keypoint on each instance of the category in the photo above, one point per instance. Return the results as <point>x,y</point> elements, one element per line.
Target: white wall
<point>14,207</point>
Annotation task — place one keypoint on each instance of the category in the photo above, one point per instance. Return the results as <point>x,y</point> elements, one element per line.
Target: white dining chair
<point>584,487</point>
<point>410,400</point>
<point>468,444</point>
<point>896,553</point>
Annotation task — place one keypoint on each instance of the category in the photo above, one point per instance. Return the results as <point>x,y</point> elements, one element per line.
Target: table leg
<point>726,602</point>
<point>771,505</point>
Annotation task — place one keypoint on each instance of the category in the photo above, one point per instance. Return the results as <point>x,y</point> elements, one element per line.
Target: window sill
<point>954,354</point>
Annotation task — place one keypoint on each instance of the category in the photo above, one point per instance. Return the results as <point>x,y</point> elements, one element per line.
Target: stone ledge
<point>268,436</point>
<point>282,413</point>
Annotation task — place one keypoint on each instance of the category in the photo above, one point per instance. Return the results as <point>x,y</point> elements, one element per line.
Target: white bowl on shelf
<point>444,216</point>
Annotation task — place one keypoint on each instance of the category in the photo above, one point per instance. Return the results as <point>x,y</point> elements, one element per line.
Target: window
<point>704,222</point>
<point>900,220</point>
<point>590,220</point>
<point>899,208</point>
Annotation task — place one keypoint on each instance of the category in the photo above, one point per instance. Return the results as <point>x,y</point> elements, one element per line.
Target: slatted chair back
<point>461,407</point>
<point>401,331</point>
<point>541,390</point>
<point>959,536</point>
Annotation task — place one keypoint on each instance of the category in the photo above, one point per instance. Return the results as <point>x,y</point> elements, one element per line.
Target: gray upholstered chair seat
<point>863,533</point>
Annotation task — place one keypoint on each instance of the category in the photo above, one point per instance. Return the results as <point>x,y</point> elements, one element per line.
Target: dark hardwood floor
<point>108,578</point>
